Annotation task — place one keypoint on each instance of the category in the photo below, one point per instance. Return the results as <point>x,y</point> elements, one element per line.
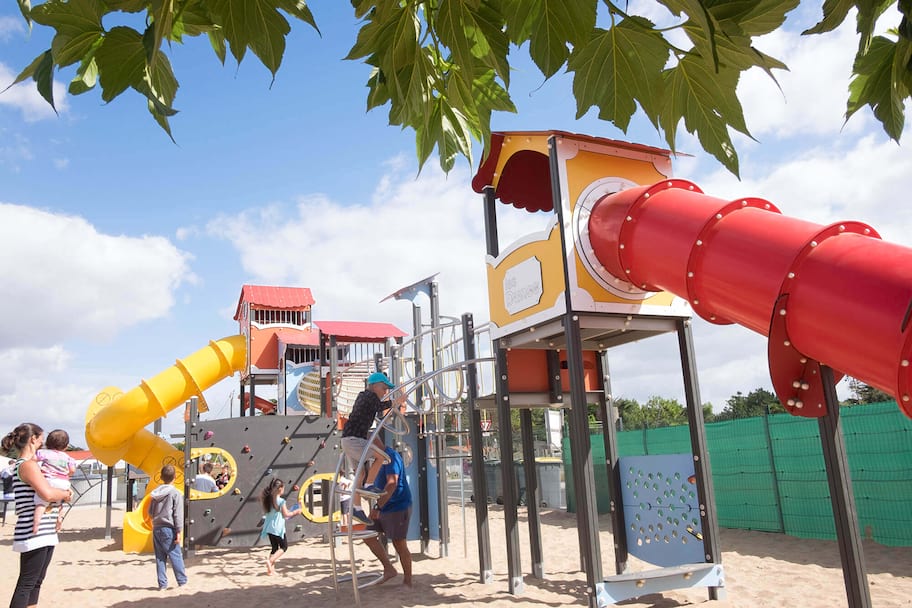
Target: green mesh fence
<point>769,473</point>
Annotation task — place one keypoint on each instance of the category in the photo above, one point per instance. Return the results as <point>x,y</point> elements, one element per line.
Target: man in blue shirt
<point>391,516</point>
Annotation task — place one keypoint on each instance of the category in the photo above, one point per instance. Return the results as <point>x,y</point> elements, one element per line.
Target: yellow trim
<point>197,453</point>
<point>302,494</point>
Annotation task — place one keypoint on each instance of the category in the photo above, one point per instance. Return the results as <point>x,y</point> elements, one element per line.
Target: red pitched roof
<point>360,331</point>
<point>525,179</point>
<point>298,337</point>
<point>277,298</point>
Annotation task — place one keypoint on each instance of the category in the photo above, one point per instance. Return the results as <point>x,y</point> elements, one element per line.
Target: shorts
<point>353,448</point>
<point>54,482</point>
<point>394,526</point>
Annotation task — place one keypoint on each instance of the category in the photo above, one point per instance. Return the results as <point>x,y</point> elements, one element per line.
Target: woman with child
<point>35,544</point>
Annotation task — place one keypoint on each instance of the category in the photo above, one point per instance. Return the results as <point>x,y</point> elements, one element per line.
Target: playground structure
<point>832,300</point>
<point>618,262</point>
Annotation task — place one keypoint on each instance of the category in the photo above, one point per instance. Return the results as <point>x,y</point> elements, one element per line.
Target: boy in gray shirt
<point>166,507</point>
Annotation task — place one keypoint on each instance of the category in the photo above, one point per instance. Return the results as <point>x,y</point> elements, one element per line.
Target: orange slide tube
<point>832,295</point>
<point>116,421</point>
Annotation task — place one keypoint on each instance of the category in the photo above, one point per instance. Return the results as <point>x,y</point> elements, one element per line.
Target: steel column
<point>846,517</point>
<point>708,519</point>
<point>508,474</point>
<point>479,482</point>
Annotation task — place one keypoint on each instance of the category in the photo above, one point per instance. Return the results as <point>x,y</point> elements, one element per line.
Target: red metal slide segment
<point>834,295</point>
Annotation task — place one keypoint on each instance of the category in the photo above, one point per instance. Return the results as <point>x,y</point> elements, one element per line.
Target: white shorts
<point>60,484</point>
<point>353,447</point>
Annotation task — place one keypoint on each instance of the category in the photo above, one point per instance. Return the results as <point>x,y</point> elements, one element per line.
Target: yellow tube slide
<point>116,421</point>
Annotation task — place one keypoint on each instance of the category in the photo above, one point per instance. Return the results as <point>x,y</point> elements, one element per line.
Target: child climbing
<point>274,521</point>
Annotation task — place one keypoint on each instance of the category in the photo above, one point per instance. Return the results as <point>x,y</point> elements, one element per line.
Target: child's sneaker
<point>358,516</point>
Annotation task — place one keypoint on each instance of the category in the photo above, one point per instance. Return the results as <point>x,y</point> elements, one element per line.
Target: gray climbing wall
<point>301,450</point>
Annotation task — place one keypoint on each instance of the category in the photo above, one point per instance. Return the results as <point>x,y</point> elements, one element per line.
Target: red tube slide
<point>834,295</point>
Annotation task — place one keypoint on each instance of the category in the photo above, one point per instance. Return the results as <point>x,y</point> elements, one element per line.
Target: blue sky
<point>121,251</point>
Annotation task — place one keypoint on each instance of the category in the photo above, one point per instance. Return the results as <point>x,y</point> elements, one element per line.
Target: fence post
<point>772,464</point>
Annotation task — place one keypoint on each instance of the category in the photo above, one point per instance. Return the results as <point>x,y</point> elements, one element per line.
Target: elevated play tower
<point>625,241</point>
<point>556,312</point>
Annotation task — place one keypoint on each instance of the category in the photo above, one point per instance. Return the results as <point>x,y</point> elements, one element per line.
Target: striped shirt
<point>24,539</point>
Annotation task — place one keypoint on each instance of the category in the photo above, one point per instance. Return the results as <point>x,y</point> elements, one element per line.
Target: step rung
<point>357,534</point>
<point>368,493</point>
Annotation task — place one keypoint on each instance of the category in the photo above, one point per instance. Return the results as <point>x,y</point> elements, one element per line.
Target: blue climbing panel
<point>661,509</point>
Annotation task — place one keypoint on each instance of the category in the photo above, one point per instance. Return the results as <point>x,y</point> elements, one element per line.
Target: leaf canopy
<point>443,66</point>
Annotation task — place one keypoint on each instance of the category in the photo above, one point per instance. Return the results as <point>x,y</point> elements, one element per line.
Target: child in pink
<point>57,467</point>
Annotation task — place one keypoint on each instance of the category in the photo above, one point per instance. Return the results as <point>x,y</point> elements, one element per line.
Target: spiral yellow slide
<point>116,421</point>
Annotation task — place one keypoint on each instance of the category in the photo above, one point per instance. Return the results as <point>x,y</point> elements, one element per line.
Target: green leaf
<point>25,7</point>
<point>85,79</point>
<point>868,12</point>
<point>876,84</point>
<point>733,51</point>
<point>378,93</point>
<point>834,13</point>
<point>299,10</point>
<point>618,67</point>
<point>78,26</point>
<point>557,25</point>
<point>455,138</point>
<point>519,15</point>
<point>41,70</point>
<point>162,15</point>
<point>700,16</point>
<point>391,34</point>
<point>489,96</point>
<point>121,60</point>
<point>707,103</point>
<point>491,42</point>
<point>750,17</point>
<point>217,41</point>
<point>456,27</point>
<point>87,75</point>
<point>193,20</point>
<point>160,87</point>
<point>255,24</point>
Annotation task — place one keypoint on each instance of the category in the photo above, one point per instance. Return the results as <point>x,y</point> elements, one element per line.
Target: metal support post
<point>507,472</point>
<point>609,437</point>
<point>533,492</point>
<point>479,483</point>
<point>708,518</point>
<point>854,572</point>
<point>424,516</point>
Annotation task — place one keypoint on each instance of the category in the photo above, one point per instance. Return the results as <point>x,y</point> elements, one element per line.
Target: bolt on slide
<point>116,421</point>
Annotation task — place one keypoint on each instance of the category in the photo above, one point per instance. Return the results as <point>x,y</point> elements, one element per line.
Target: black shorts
<point>394,525</point>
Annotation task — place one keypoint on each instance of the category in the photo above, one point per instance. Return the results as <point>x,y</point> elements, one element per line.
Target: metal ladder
<point>394,422</point>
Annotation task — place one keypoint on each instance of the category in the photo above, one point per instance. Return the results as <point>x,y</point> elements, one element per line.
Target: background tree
<point>758,402</point>
<point>865,393</point>
<point>442,67</point>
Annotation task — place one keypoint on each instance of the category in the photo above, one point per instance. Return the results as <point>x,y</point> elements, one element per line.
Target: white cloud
<point>67,280</point>
<point>14,149</point>
<point>25,98</point>
<point>814,90</point>
<point>9,26</point>
<point>31,391</point>
<point>353,256</point>
<point>61,163</point>
<point>857,180</point>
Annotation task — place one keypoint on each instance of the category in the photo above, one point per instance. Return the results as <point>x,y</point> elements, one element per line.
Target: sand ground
<point>761,570</point>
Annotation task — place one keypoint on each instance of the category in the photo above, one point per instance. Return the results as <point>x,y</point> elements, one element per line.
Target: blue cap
<point>379,377</point>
